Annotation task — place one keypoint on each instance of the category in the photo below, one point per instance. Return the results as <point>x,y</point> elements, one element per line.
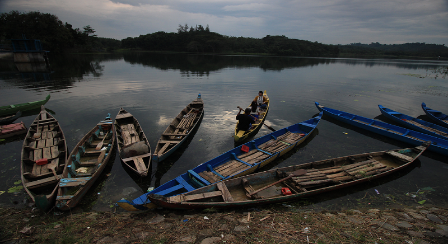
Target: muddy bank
<point>281,223</point>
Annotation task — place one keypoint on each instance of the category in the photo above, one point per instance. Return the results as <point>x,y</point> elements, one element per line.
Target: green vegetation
<point>408,49</point>
<point>59,37</point>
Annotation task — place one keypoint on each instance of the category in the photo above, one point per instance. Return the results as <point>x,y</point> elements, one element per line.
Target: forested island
<point>59,37</point>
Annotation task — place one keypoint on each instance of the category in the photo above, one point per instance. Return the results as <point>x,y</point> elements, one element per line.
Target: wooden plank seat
<point>400,156</point>
<point>70,182</point>
<point>174,134</point>
<point>43,182</point>
<point>123,116</point>
<point>227,197</point>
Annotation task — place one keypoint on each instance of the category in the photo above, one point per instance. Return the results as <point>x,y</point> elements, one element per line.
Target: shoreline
<point>278,223</point>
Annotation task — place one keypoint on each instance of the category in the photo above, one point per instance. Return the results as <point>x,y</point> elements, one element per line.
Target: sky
<point>324,21</point>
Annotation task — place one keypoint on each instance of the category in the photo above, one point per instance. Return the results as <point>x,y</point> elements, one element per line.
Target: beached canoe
<point>10,118</point>
<point>12,130</point>
<point>415,124</point>
<point>436,116</point>
<point>293,182</point>
<point>412,137</point>
<point>241,135</point>
<point>12,109</point>
<point>44,155</point>
<point>242,160</point>
<point>133,147</point>
<point>85,164</point>
<point>179,130</point>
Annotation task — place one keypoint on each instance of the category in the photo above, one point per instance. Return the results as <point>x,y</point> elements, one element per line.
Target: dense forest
<point>407,49</point>
<point>59,37</point>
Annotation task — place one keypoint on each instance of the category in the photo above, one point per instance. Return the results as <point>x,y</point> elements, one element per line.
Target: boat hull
<point>414,123</point>
<point>12,109</point>
<point>254,130</point>
<point>45,141</point>
<point>228,193</point>
<point>11,118</point>
<point>133,146</point>
<point>234,163</point>
<point>80,183</point>
<point>179,130</point>
<point>436,116</point>
<point>415,138</point>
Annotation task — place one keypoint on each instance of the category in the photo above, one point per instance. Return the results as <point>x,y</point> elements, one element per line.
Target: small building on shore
<point>28,51</point>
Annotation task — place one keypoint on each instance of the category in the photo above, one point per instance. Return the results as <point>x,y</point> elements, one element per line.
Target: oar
<point>38,134</point>
<point>100,145</point>
<point>295,173</point>
<point>269,127</point>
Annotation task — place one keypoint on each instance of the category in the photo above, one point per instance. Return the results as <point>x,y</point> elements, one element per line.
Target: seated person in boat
<point>261,100</point>
<point>254,110</point>
<point>245,120</point>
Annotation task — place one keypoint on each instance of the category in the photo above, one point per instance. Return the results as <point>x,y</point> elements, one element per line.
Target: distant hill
<point>407,49</point>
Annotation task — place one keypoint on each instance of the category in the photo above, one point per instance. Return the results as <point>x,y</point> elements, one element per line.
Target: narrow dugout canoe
<point>414,138</point>
<point>179,129</point>
<point>133,147</point>
<point>85,164</point>
<point>10,118</point>
<point>12,130</point>
<point>241,160</point>
<point>293,182</point>
<point>415,124</point>
<point>436,116</point>
<point>12,109</point>
<point>241,135</point>
<point>43,160</point>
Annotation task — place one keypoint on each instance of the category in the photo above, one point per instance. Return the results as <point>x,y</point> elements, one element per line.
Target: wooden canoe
<point>85,164</point>
<point>10,118</point>
<point>12,109</point>
<point>179,130</point>
<point>436,116</point>
<point>133,147</point>
<point>40,179</point>
<point>415,124</point>
<point>12,130</point>
<point>242,160</point>
<point>241,135</point>
<point>293,182</point>
<point>412,137</point>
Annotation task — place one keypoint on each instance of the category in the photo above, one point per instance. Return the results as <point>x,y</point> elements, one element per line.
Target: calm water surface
<point>155,87</point>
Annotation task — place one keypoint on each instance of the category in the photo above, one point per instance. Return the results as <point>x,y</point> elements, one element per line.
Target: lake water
<point>155,87</point>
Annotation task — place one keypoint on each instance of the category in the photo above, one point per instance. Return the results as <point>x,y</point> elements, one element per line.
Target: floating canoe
<point>436,116</point>
<point>293,182</point>
<point>44,155</point>
<point>85,164</point>
<point>179,130</point>
<point>12,130</point>
<point>395,132</point>
<point>133,147</point>
<point>241,135</point>
<point>239,161</point>
<point>415,124</point>
<point>10,118</point>
<point>12,109</point>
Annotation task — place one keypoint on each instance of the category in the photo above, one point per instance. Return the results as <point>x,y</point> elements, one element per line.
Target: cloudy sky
<point>324,21</point>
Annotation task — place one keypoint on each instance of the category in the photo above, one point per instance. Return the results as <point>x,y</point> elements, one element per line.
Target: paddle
<point>269,127</point>
<point>100,145</point>
<point>295,173</point>
<point>38,134</point>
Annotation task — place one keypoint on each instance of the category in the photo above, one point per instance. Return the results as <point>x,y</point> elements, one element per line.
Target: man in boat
<point>245,120</point>
<point>261,100</point>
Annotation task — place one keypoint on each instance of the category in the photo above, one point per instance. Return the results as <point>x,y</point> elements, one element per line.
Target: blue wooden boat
<point>179,130</point>
<point>242,160</point>
<point>436,116</point>
<point>415,138</point>
<point>415,124</point>
<point>294,182</point>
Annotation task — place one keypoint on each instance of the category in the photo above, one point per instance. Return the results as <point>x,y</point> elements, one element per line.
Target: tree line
<point>60,37</point>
